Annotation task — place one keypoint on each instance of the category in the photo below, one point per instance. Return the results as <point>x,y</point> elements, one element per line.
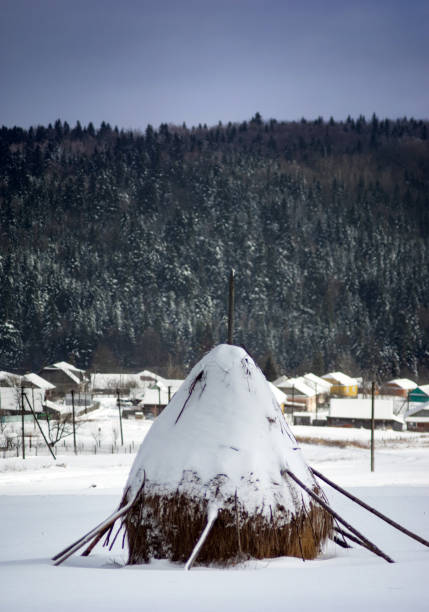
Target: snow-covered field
<point>45,505</point>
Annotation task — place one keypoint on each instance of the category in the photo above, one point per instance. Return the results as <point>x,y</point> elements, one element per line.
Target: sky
<point>137,62</point>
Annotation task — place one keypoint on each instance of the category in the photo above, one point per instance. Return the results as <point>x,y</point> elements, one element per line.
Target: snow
<point>45,505</point>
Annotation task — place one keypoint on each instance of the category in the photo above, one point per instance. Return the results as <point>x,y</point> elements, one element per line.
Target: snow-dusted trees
<point>122,241</point>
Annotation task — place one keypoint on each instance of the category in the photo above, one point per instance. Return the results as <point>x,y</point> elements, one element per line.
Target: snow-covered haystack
<point>215,461</point>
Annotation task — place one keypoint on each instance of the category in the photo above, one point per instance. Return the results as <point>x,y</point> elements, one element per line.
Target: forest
<point>116,245</point>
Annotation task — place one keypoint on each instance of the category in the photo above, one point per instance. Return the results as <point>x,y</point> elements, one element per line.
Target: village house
<point>322,388</point>
<point>299,395</point>
<point>417,417</point>
<point>342,384</point>
<point>398,387</point>
<point>66,378</point>
<point>111,383</point>
<point>141,394</point>
<point>419,395</point>
<point>13,389</point>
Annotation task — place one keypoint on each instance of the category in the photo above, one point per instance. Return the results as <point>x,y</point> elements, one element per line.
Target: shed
<point>357,413</point>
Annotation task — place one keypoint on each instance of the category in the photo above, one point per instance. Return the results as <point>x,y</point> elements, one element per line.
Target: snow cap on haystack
<point>221,449</point>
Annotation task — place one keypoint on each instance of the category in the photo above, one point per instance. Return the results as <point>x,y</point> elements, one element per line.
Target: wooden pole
<point>372,424</point>
<point>335,515</point>
<point>237,523</point>
<point>22,422</point>
<point>40,428</point>
<point>212,516</point>
<point>118,393</point>
<point>231,307</point>
<point>74,423</point>
<point>293,402</point>
<point>34,405</point>
<point>101,528</point>
<point>383,517</point>
<point>66,553</point>
<point>316,403</point>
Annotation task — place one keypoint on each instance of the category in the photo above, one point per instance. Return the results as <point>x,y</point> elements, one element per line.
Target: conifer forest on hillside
<point>116,246</point>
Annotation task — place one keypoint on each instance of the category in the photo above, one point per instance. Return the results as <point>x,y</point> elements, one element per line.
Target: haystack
<point>218,457</point>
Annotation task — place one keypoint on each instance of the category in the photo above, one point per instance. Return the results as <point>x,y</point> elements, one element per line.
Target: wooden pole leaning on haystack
<point>212,516</point>
<point>335,515</point>
<point>94,535</point>
<point>383,517</point>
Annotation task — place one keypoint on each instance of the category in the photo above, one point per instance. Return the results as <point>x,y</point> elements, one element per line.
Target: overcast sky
<point>134,62</point>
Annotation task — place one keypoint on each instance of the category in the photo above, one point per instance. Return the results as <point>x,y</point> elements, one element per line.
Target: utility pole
<point>22,422</point>
<point>118,401</point>
<point>293,401</point>
<point>231,307</point>
<point>372,425</point>
<point>74,423</point>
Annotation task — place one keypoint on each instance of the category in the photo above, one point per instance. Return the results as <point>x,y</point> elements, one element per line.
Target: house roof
<point>63,365</point>
<point>165,383</point>
<point>298,385</point>
<point>38,381</point>
<point>68,373</point>
<point>317,383</point>
<point>113,380</point>
<point>424,388</point>
<point>68,369</point>
<point>9,378</point>
<point>62,409</point>
<point>384,409</point>
<point>418,419</point>
<point>341,378</point>
<point>280,380</point>
<point>402,383</point>
<point>148,375</point>
<point>16,380</point>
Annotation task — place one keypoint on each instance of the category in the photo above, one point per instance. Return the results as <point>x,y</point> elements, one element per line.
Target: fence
<point>35,448</point>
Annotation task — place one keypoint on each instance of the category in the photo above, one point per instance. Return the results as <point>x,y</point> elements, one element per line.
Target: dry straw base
<point>159,526</point>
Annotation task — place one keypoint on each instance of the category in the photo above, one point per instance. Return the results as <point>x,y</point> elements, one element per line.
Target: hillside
<point>115,246</point>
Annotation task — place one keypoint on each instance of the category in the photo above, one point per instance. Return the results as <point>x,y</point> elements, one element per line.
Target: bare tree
<point>60,427</point>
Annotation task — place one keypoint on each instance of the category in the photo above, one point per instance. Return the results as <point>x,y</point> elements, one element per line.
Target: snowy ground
<point>46,504</point>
